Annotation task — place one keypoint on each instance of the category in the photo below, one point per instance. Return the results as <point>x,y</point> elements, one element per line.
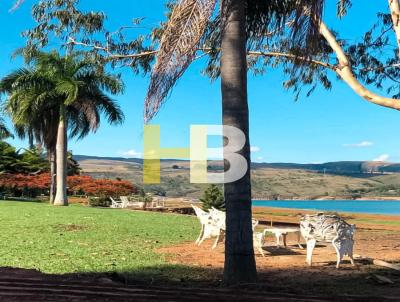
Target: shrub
<point>99,201</point>
<point>213,197</point>
<point>101,187</point>
<point>24,185</point>
<point>156,190</point>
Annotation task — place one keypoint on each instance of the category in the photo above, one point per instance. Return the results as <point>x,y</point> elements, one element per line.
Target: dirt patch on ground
<point>70,227</point>
<point>285,268</point>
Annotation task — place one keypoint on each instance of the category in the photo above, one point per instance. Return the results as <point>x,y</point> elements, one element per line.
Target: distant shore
<point>383,198</point>
<point>362,220</point>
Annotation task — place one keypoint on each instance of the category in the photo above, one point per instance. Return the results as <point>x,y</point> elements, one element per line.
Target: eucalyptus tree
<point>372,61</point>
<point>58,93</point>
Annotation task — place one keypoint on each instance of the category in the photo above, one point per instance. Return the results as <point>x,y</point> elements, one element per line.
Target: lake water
<point>351,206</point>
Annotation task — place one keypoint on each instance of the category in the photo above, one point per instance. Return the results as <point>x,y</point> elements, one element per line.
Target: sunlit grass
<point>90,240</point>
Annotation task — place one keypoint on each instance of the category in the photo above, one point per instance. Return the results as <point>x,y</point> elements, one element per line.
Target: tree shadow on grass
<point>21,200</point>
<point>171,274</point>
<point>166,274</point>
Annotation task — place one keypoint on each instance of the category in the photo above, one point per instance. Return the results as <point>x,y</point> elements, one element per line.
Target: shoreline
<point>361,220</point>
<point>350,207</point>
<point>315,211</point>
<point>328,198</point>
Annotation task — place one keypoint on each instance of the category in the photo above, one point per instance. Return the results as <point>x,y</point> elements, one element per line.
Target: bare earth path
<point>286,270</point>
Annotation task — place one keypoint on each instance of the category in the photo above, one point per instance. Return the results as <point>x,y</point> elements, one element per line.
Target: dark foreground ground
<point>30,285</point>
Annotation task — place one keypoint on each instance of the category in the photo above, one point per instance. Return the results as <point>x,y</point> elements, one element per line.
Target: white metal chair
<point>125,201</point>
<point>213,224</point>
<point>218,220</point>
<point>115,204</point>
<point>206,230</point>
<point>258,242</point>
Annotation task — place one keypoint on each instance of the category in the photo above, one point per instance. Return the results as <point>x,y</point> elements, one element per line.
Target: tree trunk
<point>394,6</point>
<point>61,160</point>
<point>31,141</point>
<point>52,175</point>
<point>240,264</point>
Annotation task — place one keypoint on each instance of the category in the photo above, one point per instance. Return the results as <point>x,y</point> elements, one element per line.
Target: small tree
<point>213,198</point>
<point>73,167</point>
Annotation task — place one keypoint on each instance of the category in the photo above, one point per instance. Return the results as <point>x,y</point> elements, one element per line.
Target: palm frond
<point>69,89</point>
<point>106,81</point>
<point>82,121</point>
<point>107,106</point>
<point>305,28</point>
<point>4,133</point>
<point>7,83</point>
<point>178,47</point>
<point>110,109</point>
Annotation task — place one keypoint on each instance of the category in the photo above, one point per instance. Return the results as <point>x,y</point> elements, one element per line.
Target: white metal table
<point>282,232</point>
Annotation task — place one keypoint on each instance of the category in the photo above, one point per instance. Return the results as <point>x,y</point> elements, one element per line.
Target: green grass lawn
<point>90,240</point>
<point>374,221</point>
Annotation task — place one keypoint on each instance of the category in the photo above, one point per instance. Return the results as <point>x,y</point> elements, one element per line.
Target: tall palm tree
<point>240,23</point>
<point>59,93</point>
<point>41,124</point>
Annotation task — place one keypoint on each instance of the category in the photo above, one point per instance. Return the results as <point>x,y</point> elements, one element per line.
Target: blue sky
<point>328,126</point>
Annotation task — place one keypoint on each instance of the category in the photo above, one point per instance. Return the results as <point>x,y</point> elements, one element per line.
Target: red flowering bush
<point>100,187</point>
<point>24,185</point>
<point>34,185</point>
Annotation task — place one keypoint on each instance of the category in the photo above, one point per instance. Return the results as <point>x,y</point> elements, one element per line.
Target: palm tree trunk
<point>31,141</point>
<point>61,160</point>
<point>240,264</point>
<point>53,168</point>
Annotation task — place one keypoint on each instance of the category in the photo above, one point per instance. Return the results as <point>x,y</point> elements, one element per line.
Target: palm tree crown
<point>51,81</point>
<point>56,94</point>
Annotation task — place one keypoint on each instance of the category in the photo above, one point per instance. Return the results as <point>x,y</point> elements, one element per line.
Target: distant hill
<point>123,159</point>
<point>339,167</point>
<point>346,179</point>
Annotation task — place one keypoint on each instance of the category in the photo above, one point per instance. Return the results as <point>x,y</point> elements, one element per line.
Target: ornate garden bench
<point>328,228</point>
